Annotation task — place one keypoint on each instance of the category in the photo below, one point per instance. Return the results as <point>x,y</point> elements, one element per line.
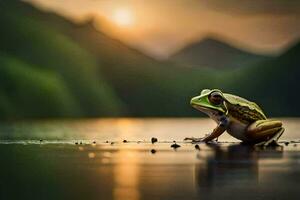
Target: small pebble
<point>197,147</point>
<point>175,146</point>
<point>125,141</point>
<point>153,140</point>
<point>153,151</point>
<point>286,143</point>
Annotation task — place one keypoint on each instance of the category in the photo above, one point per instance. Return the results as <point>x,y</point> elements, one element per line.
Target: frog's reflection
<point>234,165</point>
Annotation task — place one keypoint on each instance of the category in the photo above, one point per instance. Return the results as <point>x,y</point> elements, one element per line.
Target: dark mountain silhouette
<point>213,53</point>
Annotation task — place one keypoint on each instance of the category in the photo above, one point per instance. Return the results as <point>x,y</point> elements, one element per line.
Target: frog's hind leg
<point>273,139</point>
<point>265,132</point>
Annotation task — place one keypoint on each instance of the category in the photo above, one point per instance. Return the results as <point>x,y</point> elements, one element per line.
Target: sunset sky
<point>161,27</point>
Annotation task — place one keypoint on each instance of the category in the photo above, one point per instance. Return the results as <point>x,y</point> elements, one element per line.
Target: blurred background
<point>132,58</point>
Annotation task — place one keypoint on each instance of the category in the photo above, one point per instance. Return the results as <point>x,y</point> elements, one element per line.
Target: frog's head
<point>209,102</point>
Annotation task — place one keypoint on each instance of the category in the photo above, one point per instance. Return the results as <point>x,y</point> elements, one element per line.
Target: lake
<point>87,159</point>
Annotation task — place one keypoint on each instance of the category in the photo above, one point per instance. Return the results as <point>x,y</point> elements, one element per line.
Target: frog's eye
<point>215,98</point>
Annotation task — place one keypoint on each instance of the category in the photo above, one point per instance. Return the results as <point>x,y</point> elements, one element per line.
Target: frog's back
<point>242,109</point>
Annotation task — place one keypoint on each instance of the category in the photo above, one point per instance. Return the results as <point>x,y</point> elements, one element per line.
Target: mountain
<point>51,67</point>
<point>97,75</point>
<point>212,53</point>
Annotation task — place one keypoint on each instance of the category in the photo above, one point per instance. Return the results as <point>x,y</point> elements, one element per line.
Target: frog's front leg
<point>265,132</point>
<point>221,128</point>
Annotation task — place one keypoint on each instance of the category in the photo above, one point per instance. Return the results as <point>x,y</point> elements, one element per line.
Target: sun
<point>123,17</point>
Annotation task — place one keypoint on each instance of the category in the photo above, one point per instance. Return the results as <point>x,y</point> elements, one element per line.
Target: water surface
<point>40,160</point>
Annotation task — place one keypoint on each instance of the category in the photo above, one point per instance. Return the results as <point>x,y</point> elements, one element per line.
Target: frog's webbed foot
<point>272,143</point>
<point>193,140</point>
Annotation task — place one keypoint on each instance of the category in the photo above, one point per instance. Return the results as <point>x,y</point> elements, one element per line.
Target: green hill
<point>30,40</point>
<point>213,53</point>
<point>28,91</point>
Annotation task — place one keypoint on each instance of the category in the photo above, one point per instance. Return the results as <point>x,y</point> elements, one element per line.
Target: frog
<point>241,118</point>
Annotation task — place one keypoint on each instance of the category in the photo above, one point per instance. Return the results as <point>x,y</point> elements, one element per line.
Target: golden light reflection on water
<point>80,148</point>
<point>126,173</point>
<point>91,155</point>
<point>126,127</point>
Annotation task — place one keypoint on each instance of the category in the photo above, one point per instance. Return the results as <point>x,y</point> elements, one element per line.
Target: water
<point>123,128</point>
<point>56,168</point>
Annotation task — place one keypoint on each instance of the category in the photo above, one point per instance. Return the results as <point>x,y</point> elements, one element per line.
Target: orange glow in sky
<point>161,27</point>
<point>122,17</point>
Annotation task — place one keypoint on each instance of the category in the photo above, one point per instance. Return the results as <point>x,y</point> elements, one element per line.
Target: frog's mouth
<point>212,113</point>
<point>205,109</point>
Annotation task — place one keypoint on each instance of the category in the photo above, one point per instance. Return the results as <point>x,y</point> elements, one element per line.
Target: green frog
<point>241,118</point>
